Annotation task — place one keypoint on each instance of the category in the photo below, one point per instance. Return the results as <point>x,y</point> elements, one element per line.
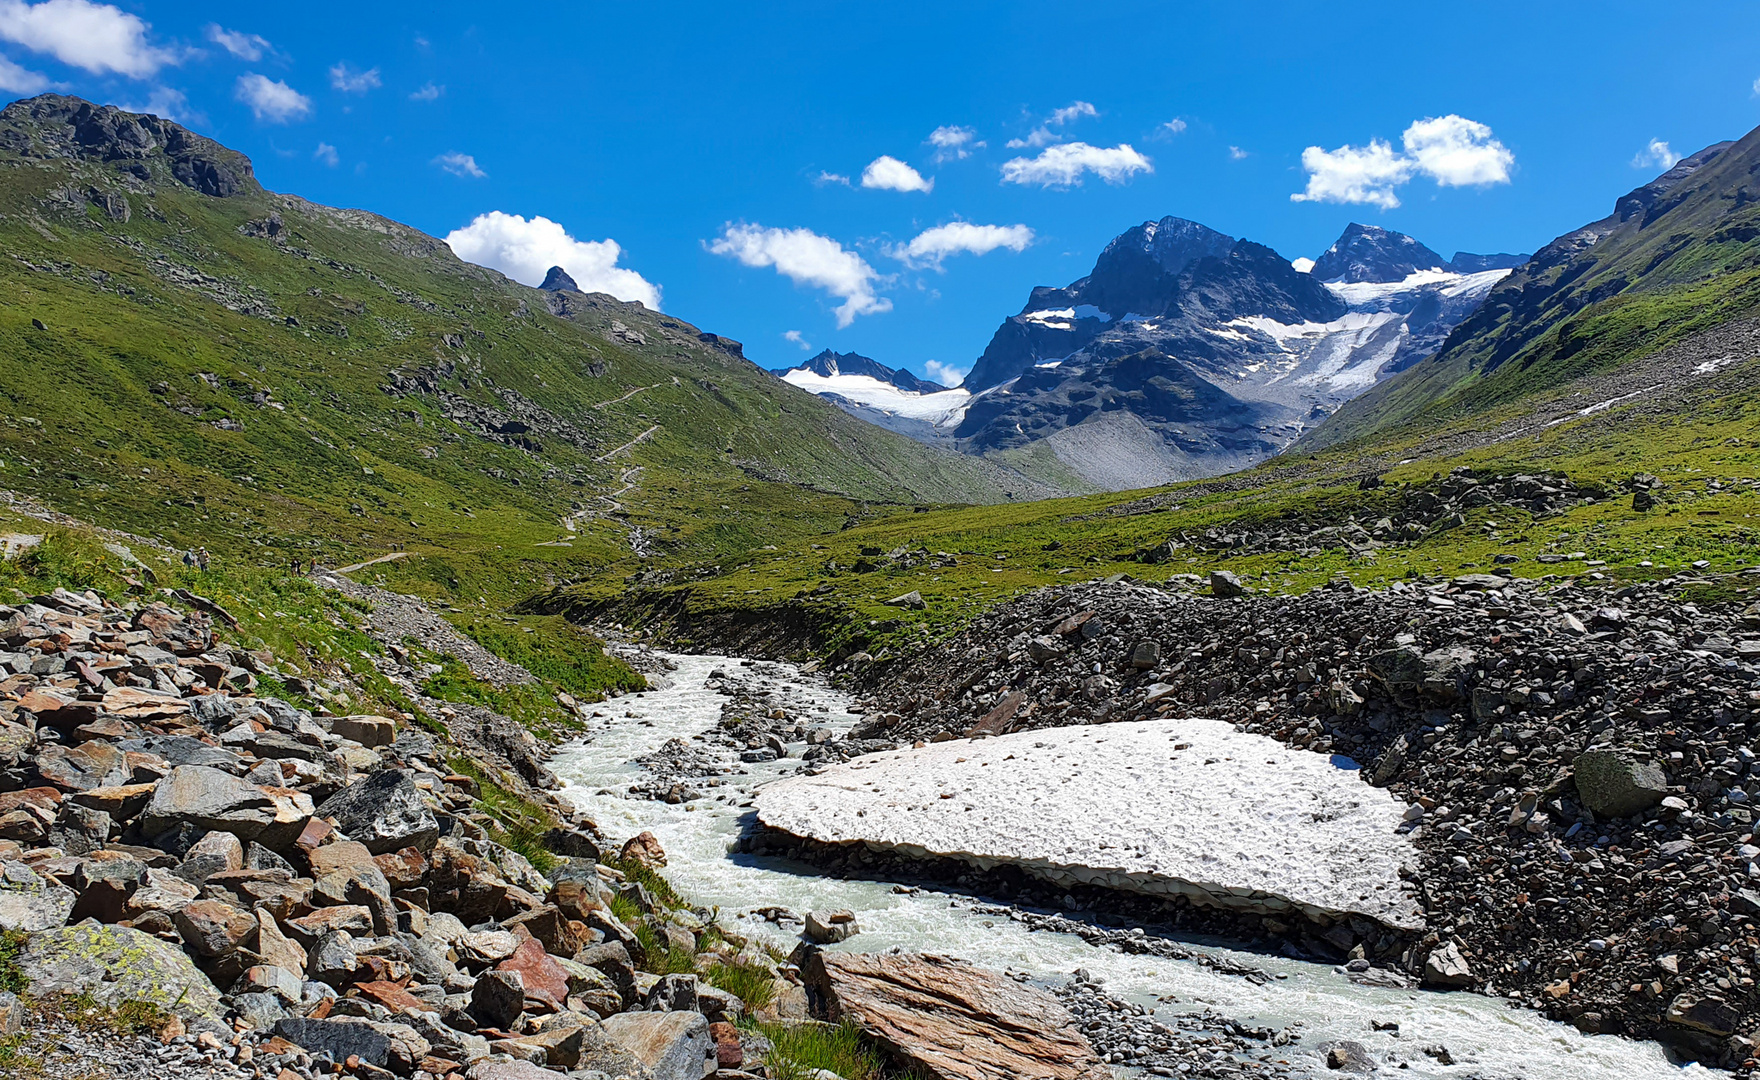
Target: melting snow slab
<point>1176,807</point>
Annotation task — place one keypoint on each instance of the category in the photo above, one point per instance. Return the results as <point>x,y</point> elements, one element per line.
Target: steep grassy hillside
<point>1677,256</point>
<point>187,356</point>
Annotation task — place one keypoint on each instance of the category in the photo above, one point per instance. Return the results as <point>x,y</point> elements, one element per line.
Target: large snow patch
<point>1171,807</point>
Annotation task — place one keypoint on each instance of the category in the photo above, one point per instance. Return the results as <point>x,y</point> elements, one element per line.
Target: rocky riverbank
<point>239,887</point>
<point>1581,757</point>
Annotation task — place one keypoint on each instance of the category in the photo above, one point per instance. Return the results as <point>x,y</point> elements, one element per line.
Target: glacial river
<point>1487,1039</point>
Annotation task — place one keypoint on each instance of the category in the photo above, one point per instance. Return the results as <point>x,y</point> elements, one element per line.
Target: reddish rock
<point>575,899</point>
<point>404,869</point>
<point>390,995</point>
<point>214,929</point>
<point>545,981</point>
<point>728,1052</point>
<point>644,849</point>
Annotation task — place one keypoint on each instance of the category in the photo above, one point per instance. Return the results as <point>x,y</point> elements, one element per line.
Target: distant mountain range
<point>1185,352</point>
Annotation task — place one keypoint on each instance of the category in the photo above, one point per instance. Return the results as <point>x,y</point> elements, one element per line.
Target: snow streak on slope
<point>943,409</point>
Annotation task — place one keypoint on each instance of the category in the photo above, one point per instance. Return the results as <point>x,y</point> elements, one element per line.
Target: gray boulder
<point>206,798</point>
<point>672,1045</point>
<point>1224,583</point>
<point>1614,784</point>
<point>116,964</point>
<point>385,811</point>
<point>31,902</point>
<point>1447,967</point>
<point>337,1040</point>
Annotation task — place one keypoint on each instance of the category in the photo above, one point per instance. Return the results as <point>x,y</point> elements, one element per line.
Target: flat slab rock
<point>951,1020</point>
<point>1188,807</point>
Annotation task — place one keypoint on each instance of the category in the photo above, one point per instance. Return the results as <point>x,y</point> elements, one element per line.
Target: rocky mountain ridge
<point>1188,353</point>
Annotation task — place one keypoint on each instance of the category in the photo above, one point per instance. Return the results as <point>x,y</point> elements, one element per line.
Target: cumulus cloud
<point>1302,265</point>
<point>1063,165</point>
<point>945,374</point>
<point>350,81</point>
<point>1457,152</point>
<point>1655,155</point>
<point>327,154</point>
<point>526,250</point>
<point>1354,174</point>
<point>99,38</point>
<point>953,143</point>
<point>1044,136</point>
<point>429,92</point>
<point>271,99</point>
<point>806,258</point>
<point>1451,150</point>
<point>461,165</point>
<point>796,337</point>
<point>242,45</point>
<point>825,177</point>
<point>931,246</point>
<point>890,174</point>
<point>1235,153</point>
<point>18,80</point>
<point>1174,126</point>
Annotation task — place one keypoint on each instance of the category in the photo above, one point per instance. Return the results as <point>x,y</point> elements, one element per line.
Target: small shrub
<point>12,979</point>
<point>798,1049</point>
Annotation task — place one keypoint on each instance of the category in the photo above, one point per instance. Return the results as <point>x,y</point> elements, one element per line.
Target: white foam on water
<point>1486,1038</point>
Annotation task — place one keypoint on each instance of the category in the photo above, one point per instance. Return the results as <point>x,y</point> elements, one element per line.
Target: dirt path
<point>392,557</point>
<point>642,438</point>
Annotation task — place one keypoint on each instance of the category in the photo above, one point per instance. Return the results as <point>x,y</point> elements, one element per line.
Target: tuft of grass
<point>798,1049</point>
<point>12,978</point>
<point>750,983</point>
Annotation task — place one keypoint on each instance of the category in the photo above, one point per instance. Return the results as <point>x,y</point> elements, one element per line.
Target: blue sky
<point>697,136</point>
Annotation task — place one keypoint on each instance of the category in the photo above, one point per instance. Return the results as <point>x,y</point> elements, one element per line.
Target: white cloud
<point>1073,111</point>
<point>1302,265</point>
<point>428,92</point>
<point>1235,153</point>
<point>526,250</point>
<point>238,43</point>
<point>1354,174</point>
<point>99,38</point>
<point>18,80</point>
<point>1451,150</point>
<point>327,154</point>
<point>953,143</point>
<point>825,177</point>
<point>1044,136</point>
<point>1174,126</point>
<point>1064,164</point>
<point>1757,87</point>
<point>462,165</point>
<point>272,100</point>
<point>806,258</point>
<point>349,81</point>
<point>890,174</point>
<point>169,103</point>
<point>1457,152</point>
<point>931,246</point>
<point>945,374</point>
<point>1657,155</point>
<point>796,337</point>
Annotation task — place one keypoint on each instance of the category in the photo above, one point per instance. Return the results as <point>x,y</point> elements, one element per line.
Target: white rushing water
<point>1485,1037</point>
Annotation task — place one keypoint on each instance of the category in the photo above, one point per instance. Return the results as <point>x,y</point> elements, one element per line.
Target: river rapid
<point>1485,1038</point>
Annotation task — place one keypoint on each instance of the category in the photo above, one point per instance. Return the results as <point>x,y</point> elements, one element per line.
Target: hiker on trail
<point>189,558</point>
<point>202,557</point>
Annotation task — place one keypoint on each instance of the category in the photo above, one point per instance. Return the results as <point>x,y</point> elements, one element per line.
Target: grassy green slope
<point>195,382</point>
<point>1661,268</point>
